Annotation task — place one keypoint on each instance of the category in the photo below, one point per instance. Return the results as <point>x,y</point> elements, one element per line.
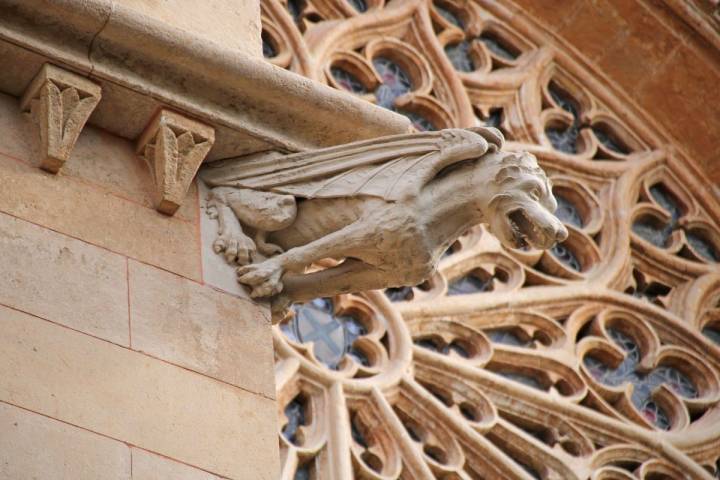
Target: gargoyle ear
<point>491,134</point>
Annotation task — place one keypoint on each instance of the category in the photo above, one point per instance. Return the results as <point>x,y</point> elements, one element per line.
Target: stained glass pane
<point>563,140</point>
<point>347,80</point>
<point>650,230</point>
<point>567,212</point>
<point>566,256</point>
<point>295,8</point>
<point>332,335</point>
<point>667,201</point>
<point>450,16</point>
<point>564,101</point>
<point>498,47</point>
<point>295,413</point>
<point>459,55</point>
<point>395,81</point>
<point>399,294</point>
<point>507,337</point>
<point>359,5</point>
<point>702,246</point>
<point>418,121</point>
<point>469,284</point>
<point>609,141</point>
<point>643,384</point>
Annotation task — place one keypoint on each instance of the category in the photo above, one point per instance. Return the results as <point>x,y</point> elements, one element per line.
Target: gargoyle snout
<point>561,233</point>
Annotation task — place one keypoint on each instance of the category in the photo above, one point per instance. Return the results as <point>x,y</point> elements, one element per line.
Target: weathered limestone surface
<point>147,466</point>
<point>72,330</point>
<point>200,328</point>
<point>67,451</point>
<point>129,396</point>
<point>63,280</point>
<point>104,198</point>
<point>232,23</point>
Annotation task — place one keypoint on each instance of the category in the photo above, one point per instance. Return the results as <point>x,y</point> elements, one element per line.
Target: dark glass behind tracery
<point>644,383</point>
<point>332,335</point>
<point>347,80</point>
<point>566,256</point>
<point>269,50</point>
<point>567,212</point>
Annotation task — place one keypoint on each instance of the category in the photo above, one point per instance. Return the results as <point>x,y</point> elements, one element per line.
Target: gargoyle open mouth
<point>526,231</point>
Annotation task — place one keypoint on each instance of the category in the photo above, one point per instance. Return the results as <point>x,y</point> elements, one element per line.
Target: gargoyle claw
<point>238,248</point>
<point>264,278</point>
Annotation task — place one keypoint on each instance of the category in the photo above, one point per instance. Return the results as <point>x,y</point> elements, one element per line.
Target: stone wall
<point>116,360</point>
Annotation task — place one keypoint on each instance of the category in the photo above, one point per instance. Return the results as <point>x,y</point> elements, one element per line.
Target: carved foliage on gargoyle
<point>388,207</point>
<point>60,102</point>
<point>174,146</point>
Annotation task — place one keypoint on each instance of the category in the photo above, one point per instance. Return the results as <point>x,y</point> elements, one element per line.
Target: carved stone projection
<point>174,146</point>
<point>596,359</point>
<point>60,102</point>
<point>386,209</point>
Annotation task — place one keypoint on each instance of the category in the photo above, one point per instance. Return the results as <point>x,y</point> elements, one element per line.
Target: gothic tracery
<point>598,359</point>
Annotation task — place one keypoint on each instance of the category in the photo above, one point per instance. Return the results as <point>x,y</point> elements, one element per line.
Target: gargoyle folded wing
<point>392,168</point>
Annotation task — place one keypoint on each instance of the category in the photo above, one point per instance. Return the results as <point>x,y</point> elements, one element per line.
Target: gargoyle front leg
<point>265,277</point>
<point>238,247</point>
<point>348,276</point>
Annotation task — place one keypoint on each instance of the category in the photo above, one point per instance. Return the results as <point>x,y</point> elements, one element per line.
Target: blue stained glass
<point>296,7</point>
<point>566,256</point>
<point>650,230</point>
<point>437,345</point>
<point>332,335</point>
<point>359,5</point>
<point>702,246</point>
<point>459,55</point>
<point>295,413</point>
<point>667,201</point>
<point>419,122</point>
<point>609,141</point>
<point>564,101</point>
<point>507,337</point>
<point>302,473</point>
<point>643,384</point>
<point>567,212</point>
<point>496,46</point>
<point>563,140</point>
<point>395,81</point>
<point>450,16</point>
<point>347,80</point>
<point>399,294</point>
<point>469,284</point>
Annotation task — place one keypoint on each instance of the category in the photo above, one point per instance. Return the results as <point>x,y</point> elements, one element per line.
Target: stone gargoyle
<point>384,209</point>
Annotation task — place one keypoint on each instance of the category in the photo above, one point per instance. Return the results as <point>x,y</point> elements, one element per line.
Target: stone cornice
<point>143,64</point>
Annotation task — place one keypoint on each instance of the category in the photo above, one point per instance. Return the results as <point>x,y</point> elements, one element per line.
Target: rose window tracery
<point>598,359</point>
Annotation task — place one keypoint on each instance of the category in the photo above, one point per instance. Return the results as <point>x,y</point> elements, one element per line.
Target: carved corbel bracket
<point>60,102</point>
<point>174,146</point>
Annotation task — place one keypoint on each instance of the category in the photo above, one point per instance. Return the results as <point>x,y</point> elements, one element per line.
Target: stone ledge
<point>143,64</point>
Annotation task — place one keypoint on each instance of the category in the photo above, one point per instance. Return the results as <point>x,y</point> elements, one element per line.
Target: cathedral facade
<point>129,350</point>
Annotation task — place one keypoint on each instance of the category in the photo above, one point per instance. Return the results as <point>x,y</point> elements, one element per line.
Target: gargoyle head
<point>520,211</point>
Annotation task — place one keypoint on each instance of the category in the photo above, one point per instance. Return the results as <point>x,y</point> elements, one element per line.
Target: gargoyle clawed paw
<point>264,278</point>
<point>238,248</point>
